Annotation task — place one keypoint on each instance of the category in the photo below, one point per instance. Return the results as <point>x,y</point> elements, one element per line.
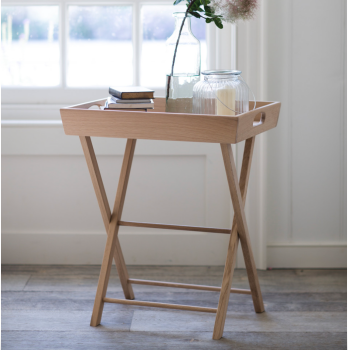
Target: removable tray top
<point>156,124</point>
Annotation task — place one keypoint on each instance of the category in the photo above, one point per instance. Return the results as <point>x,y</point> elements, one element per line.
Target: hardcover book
<point>139,100</point>
<point>126,109</point>
<point>110,104</point>
<point>131,92</point>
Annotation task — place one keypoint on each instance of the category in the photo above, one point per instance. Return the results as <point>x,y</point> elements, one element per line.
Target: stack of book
<point>133,98</point>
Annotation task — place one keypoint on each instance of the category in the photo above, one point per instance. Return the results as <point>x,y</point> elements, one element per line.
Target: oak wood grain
<point>161,305</point>
<point>158,125</point>
<point>111,242</point>
<point>99,189</point>
<point>238,195</point>
<point>186,286</point>
<point>174,227</point>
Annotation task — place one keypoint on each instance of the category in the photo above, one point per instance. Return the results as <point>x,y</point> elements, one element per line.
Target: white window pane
<point>158,26</point>
<point>30,46</point>
<point>100,51</point>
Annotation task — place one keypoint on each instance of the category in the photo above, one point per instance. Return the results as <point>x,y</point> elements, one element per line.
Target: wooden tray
<point>156,124</point>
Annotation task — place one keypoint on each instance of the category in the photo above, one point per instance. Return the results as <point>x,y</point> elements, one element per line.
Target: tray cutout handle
<point>96,107</point>
<point>259,119</point>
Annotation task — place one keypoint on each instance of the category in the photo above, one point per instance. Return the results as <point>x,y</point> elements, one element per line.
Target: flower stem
<point>176,47</point>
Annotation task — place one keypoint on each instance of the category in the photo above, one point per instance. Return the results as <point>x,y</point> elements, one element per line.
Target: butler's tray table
<point>156,124</point>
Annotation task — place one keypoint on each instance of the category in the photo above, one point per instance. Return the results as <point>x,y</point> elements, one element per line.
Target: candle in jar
<point>227,95</point>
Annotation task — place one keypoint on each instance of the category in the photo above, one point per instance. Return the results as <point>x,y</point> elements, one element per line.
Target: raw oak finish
<point>158,125</point>
<point>99,189</point>
<point>238,194</point>
<point>186,286</point>
<point>245,238</point>
<point>175,227</point>
<point>111,242</point>
<point>161,305</point>
<point>239,228</point>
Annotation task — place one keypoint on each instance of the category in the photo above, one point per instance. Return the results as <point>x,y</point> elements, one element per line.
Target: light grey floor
<point>49,307</point>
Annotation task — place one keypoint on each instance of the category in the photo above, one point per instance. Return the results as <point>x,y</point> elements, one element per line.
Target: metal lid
<point>222,72</point>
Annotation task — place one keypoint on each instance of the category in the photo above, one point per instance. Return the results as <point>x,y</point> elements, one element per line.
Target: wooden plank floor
<point>49,307</point>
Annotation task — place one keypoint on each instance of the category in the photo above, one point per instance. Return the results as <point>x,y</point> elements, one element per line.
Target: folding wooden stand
<point>158,125</point>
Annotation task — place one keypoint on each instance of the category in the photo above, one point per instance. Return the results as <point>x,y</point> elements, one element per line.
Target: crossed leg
<point>239,231</point>
<point>113,248</point>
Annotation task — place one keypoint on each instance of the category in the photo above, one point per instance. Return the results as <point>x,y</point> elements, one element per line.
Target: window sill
<point>29,113</point>
<point>42,97</point>
<point>30,123</point>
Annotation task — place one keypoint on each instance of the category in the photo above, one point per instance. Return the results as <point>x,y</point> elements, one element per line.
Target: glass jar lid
<point>222,72</point>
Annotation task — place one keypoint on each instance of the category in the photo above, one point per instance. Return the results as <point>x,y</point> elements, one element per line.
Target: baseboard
<point>158,248</point>
<point>329,255</point>
<point>139,248</point>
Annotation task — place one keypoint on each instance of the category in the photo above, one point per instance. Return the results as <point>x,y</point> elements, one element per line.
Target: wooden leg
<point>238,198</point>
<point>238,194</point>
<point>99,189</point>
<point>226,284</point>
<point>245,238</point>
<point>112,248</point>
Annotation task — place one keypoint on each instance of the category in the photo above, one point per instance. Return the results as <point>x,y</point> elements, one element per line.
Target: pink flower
<point>232,10</point>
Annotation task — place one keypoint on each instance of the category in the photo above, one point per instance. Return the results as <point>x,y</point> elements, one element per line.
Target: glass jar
<point>221,92</point>
<point>185,73</point>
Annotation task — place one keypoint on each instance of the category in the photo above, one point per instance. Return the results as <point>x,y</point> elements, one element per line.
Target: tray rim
<point>161,125</point>
<point>100,102</point>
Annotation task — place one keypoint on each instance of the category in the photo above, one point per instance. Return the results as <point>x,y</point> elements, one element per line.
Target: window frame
<point>62,93</point>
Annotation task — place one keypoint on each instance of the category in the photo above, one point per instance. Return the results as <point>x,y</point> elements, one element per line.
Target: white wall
<point>47,192</point>
<point>294,52</point>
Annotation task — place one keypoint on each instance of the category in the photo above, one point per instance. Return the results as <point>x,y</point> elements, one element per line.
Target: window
<point>30,47</point>
<point>99,47</point>
<point>71,51</point>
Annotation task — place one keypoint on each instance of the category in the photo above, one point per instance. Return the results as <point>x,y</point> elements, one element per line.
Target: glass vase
<point>185,72</point>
